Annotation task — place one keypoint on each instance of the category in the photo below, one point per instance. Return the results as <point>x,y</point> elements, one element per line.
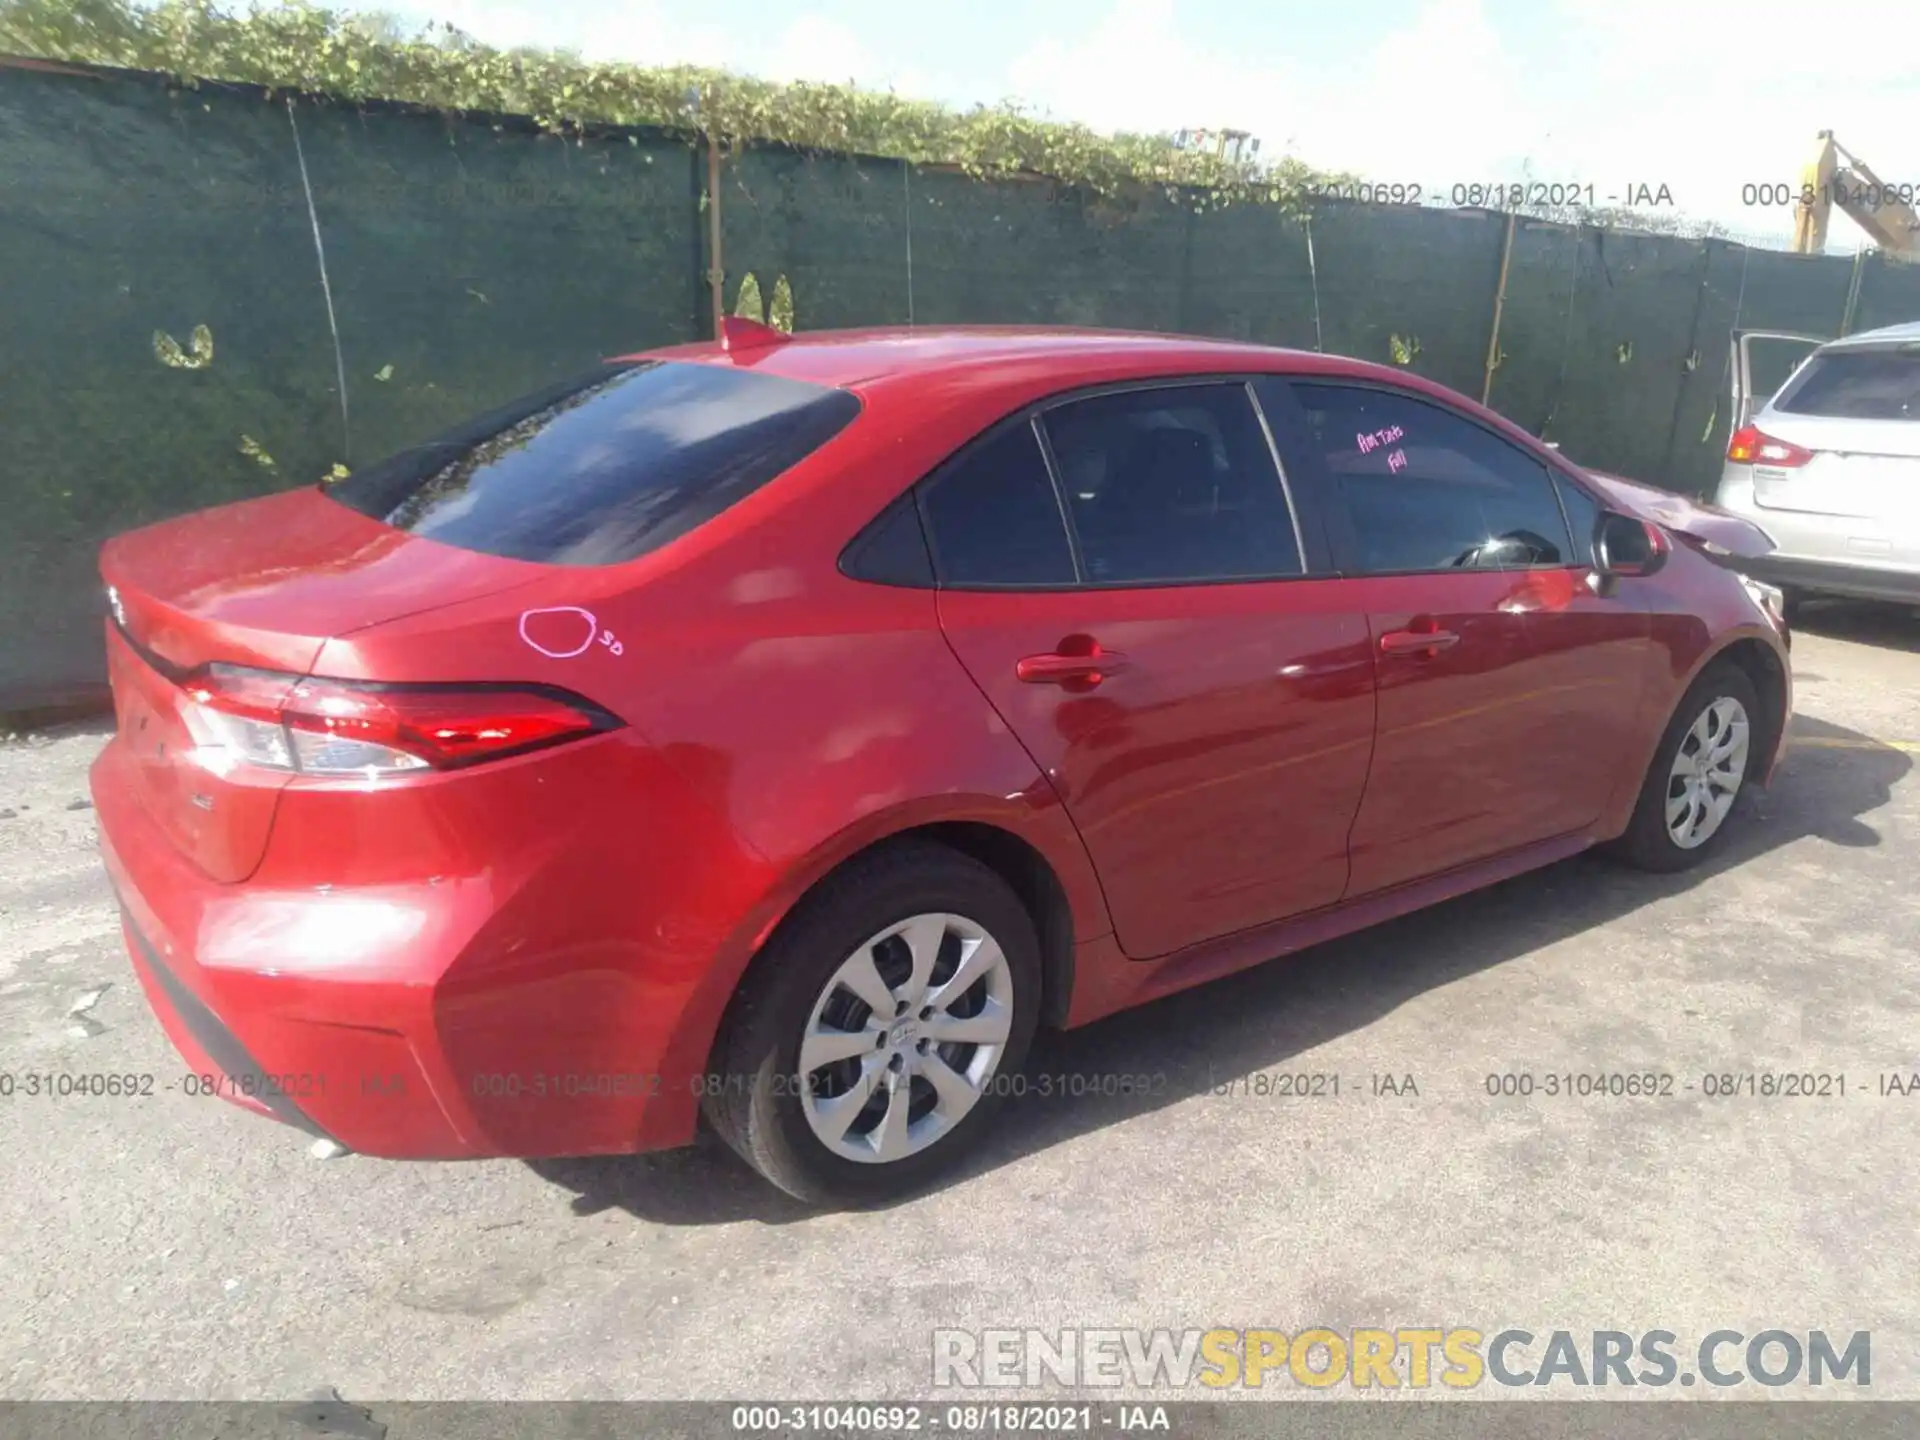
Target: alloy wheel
<point>905,1038</point>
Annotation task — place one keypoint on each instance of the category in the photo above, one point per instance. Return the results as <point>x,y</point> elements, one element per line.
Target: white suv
<point>1829,466</point>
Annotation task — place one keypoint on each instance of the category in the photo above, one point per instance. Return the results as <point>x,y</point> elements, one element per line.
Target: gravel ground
<point>179,1248</point>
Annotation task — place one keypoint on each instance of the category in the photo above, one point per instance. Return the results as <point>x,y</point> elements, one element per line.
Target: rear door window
<point>1857,385</point>
<point>604,467</point>
<point>1173,483</point>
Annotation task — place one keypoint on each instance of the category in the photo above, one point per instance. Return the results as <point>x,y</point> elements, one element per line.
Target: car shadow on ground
<point>1256,1020</point>
<point>1864,622</point>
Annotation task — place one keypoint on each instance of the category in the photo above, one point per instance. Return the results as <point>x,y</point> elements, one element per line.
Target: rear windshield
<point>604,467</point>
<point>1858,385</point>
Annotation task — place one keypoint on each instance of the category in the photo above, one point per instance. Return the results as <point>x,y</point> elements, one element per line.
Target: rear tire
<point>870,1044</point>
<point>1698,775</point>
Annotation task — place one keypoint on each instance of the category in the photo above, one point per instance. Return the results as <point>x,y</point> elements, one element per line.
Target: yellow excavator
<point>1838,178</point>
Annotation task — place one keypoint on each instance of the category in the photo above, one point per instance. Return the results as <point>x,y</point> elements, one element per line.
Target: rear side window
<point>994,519</point>
<point>1173,483</point>
<point>892,550</point>
<point>602,468</point>
<point>1424,489</point>
<point>1857,385</point>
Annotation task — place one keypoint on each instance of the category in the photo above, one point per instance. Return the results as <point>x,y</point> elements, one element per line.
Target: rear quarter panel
<point>805,715</point>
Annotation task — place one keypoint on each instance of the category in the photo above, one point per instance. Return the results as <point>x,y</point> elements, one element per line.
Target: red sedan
<point>782,729</point>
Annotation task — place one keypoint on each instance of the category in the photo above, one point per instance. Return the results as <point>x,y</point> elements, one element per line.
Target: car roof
<point>852,358</point>
<point>1017,365</point>
<point>1885,335</point>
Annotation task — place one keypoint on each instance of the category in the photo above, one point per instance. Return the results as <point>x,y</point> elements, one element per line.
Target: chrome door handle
<point>1055,668</point>
<point>1417,642</point>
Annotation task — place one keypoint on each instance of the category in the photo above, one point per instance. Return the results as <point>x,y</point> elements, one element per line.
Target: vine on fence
<point>301,46</point>
<point>747,304</point>
<point>304,47</point>
<point>778,312</point>
<point>167,350</point>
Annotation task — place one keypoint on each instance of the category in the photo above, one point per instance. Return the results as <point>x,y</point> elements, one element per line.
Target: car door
<point>1761,363</point>
<point>1507,685</point>
<point>1123,575</point>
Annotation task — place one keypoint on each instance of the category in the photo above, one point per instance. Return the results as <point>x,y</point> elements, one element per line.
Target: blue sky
<point>1695,95</point>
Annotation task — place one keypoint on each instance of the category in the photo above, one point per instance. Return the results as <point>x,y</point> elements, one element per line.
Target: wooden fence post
<point>716,269</point>
<point>1499,307</point>
<point>1853,290</point>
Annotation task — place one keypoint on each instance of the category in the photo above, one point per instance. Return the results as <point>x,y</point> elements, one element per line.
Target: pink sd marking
<point>560,632</point>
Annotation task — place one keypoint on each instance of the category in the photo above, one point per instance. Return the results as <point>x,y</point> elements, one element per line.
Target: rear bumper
<point>1828,577</point>
<point>431,1020</point>
<point>1832,554</point>
<point>217,1056</point>
<point>265,1041</point>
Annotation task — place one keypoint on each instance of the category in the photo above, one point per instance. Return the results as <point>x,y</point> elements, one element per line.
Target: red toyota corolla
<point>784,728</point>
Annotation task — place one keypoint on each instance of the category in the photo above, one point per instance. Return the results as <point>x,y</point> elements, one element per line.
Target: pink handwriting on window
<point>1377,438</point>
<point>1397,461</point>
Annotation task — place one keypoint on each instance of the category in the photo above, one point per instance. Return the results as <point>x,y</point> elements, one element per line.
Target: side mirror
<point>1625,545</point>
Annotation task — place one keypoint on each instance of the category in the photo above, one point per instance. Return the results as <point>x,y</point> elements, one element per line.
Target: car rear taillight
<point>1752,446</point>
<point>342,727</point>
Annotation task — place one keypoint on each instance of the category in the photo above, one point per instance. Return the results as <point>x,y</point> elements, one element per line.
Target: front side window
<point>1583,516</point>
<point>604,467</point>
<point>1173,483</point>
<point>1426,489</point>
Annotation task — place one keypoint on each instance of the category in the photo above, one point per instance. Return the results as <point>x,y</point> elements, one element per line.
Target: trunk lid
<point>262,584</point>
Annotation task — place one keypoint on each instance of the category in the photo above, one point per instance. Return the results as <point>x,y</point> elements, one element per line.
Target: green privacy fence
<point>466,263</point>
<point>468,260</point>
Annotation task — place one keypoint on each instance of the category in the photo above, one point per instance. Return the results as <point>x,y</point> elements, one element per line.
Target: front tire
<point>1698,774</point>
<point>868,1048</point>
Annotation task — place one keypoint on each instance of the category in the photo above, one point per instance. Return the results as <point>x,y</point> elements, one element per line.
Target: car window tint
<point>892,550</point>
<point>1583,517</point>
<point>1858,385</point>
<point>1429,490</point>
<point>993,517</point>
<point>1173,483</point>
<point>602,468</point>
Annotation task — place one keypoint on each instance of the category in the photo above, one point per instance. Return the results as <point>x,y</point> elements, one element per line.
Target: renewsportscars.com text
<point>1414,1358</point>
